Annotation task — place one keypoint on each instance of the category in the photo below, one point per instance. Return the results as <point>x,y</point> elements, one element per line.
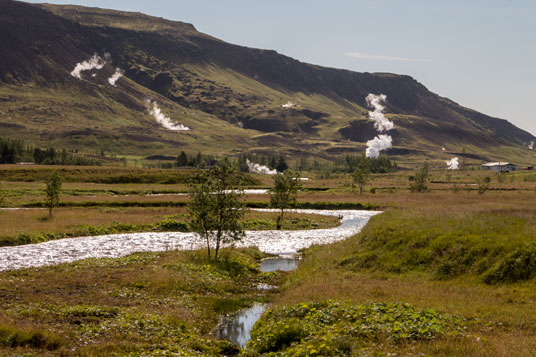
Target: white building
<point>499,167</point>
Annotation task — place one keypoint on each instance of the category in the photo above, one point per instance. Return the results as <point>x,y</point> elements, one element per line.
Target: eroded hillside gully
<point>236,329</point>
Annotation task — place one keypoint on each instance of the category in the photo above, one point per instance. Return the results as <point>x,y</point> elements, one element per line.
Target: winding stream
<point>119,245</point>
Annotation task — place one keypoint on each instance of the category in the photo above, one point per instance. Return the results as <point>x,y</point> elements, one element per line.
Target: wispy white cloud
<point>369,56</point>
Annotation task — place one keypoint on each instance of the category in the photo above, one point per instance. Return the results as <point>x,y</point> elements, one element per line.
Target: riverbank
<point>469,256</point>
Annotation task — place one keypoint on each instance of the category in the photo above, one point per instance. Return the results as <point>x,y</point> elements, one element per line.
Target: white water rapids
<point>118,245</point>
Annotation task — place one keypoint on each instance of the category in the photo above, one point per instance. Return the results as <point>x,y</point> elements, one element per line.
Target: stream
<point>118,245</point>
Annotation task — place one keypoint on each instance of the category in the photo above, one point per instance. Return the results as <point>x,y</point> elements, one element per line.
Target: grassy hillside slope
<point>230,96</point>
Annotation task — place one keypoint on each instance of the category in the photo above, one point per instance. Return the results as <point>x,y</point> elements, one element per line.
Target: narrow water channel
<point>237,328</point>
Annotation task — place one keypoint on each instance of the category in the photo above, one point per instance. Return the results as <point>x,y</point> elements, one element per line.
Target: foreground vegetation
<point>149,303</point>
<point>449,271</point>
<point>332,328</point>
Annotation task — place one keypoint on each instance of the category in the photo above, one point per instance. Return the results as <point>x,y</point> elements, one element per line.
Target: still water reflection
<point>279,263</point>
<point>237,328</point>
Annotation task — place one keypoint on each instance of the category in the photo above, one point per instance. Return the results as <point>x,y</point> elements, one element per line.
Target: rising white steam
<point>379,143</point>
<point>260,169</point>
<point>95,62</point>
<point>452,164</point>
<point>381,123</point>
<point>531,145</point>
<point>115,77</point>
<point>163,120</point>
<point>288,105</point>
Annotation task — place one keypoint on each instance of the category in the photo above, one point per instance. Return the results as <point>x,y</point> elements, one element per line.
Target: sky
<point>479,53</point>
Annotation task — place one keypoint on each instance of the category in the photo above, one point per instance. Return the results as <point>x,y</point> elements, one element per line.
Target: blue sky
<point>479,53</point>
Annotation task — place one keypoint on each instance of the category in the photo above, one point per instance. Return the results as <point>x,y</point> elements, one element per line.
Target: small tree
<point>182,159</point>
<point>53,192</point>
<point>284,193</point>
<point>483,184</point>
<point>281,165</point>
<point>420,183</point>
<point>217,206</point>
<point>361,173</point>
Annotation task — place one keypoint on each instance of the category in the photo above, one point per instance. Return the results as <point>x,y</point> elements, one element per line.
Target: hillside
<point>230,96</point>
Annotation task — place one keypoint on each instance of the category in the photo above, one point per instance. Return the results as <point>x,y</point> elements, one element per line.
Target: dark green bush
<point>173,225</point>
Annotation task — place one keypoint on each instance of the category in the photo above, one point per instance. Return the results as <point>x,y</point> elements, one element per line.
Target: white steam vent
<point>115,77</point>
<point>260,169</point>
<point>381,123</point>
<point>288,105</point>
<point>531,145</point>
<point>452,164</point>
<point>379,143</point>
<point>95,62</point>
<point>163,120</point>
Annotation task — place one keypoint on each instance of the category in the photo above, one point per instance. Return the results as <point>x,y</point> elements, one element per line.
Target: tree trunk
<point>208,247</point>
<point>50,212</point>
<point>218,238</point>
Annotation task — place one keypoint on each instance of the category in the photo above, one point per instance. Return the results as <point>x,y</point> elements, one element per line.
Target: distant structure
<point>499,167</point>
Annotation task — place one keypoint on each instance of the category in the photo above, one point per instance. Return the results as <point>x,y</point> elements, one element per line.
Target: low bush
<point>333,328</point>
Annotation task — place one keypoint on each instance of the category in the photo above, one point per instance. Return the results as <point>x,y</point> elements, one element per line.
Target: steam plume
<point>381,123</point>
<point>115,77</point>
<point>452,164</point>
<point>531,145</point>
<point>260,169</point>
<point>95,62</point>
<point>163,120</point>
<point>379,143</point>
<point>288,105</point>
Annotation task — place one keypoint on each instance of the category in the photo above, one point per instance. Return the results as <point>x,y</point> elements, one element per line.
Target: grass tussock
<point>13,337</point>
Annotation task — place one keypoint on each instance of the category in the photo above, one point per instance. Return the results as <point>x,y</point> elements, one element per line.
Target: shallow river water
<point>118,245</point>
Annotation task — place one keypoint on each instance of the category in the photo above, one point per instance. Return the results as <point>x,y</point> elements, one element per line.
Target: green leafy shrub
<point>333,328</point>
